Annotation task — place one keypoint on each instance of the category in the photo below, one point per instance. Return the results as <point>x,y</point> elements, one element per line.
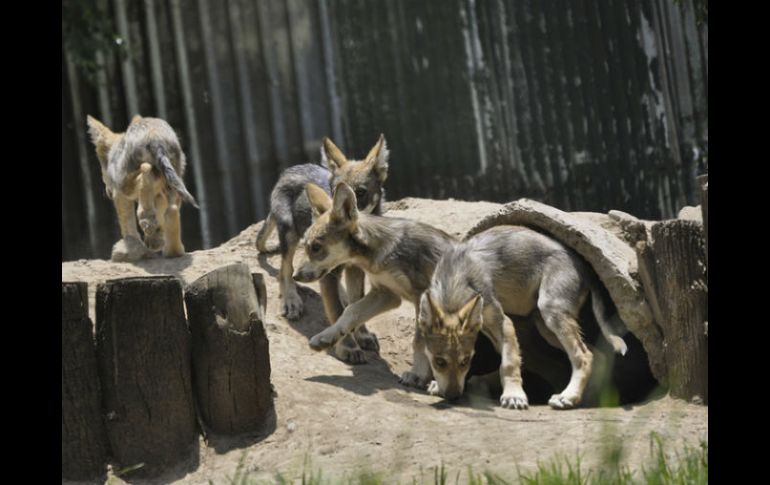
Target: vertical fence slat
<point>191,125</point>
<point>587,105</point>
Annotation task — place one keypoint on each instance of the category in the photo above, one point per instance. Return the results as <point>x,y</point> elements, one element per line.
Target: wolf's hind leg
<point>291,302</point>
<point>172,230</point>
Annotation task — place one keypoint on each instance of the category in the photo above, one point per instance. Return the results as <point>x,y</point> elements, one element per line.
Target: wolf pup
<point>290,213</point>
<point>508,270</point>
<point>398,256</point>
<point>144,165</point>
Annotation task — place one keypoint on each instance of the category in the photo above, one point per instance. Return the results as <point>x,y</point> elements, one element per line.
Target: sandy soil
<point>341,418</point>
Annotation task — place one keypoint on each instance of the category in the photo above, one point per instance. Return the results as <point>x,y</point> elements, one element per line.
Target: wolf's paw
<point>292,305</point>
<point>563,401</point>
<point>350,355</point>
<point>368,341</point>
<point>130,249</point>
<point>413,380</point>
<point>433,388</point>
<point>514,400</point>
<point>324,340</point>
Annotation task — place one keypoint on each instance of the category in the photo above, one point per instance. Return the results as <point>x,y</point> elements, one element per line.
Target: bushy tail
<point>607,327</point>
<point>172,178</point>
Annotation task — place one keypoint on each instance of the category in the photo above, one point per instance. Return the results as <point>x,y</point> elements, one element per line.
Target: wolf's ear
<point>470,314</point>
<point>378,158</point>
<point>331,156</point>
<point>344,207</point>
<point>97,131</point>
<point>430,314</point>
<point>137,117</point>
<point>320,201</point>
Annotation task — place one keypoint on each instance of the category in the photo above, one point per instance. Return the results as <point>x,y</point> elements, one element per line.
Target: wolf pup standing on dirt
<point>398,256</point>
<point>508,270</point>
<point>290,213</point>
<point>145,164</point>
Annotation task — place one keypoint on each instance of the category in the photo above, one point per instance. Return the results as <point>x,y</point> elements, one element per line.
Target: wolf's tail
<point>609,326</point>
<point>172,178</point>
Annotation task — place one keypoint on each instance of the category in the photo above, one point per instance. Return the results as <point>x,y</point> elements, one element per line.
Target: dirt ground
<point>341,418</point>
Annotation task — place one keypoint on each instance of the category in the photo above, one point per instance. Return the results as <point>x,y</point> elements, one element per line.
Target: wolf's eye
<point>316,247</point>
<point>360,193</point>
<point>440,363</point>
<point>465,362</point>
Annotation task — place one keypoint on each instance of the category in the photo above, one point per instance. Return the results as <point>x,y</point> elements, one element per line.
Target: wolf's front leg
<point>347,349</point>
<point>378,300</point>
<point>354,283</point>
<point>420,375</point>
<point>510,368</point>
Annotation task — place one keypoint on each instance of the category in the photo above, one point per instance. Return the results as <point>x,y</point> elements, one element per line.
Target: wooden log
<point>231,361</point>
<point>83,437</point>
<point>672,266</point>
<point>143,353</point>
<point>703,180</point>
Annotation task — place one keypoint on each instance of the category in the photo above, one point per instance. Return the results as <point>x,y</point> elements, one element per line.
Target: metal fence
<point>584,104</point>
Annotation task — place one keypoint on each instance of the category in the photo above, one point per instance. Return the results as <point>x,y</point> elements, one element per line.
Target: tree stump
<point>672,266</point>
<point>143,352</point>
<point>231,361</point>
<point>83,437</point>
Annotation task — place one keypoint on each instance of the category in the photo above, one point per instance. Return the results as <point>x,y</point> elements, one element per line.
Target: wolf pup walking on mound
<point>398,256</point>
<point>290,213</point>
<point>145,164</point>
<point>508,270</point>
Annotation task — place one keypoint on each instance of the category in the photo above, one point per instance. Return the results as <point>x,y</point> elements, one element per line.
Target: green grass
<point>688,466</point>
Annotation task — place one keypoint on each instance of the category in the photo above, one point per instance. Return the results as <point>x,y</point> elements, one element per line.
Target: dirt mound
<point>340,418</point>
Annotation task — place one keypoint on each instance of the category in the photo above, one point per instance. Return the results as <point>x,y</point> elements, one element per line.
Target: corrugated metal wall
<point>584,104</point>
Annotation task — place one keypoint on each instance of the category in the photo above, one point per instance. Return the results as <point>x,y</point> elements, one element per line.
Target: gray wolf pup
<point>398,256</point>
<point>290,213</point>
<point>145,164</point>
<point>509,270</point>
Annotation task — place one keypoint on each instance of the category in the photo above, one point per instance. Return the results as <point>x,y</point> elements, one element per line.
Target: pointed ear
<point>430,314</point>
<point>137,117</point>
<point>320,201</point>
<point>470,314</point>
<point>344,208</point>
<point>331,156</point>
<point>97,130</point>
<point>378,158</point>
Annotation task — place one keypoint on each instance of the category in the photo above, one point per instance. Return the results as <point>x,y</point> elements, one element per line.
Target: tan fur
<point>340,235</point>
<point>157,207</point>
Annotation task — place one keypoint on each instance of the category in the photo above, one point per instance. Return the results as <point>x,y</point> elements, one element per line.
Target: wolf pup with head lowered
<point>143,165</point>
<point>508,270</point>
<point>290,213</point>
<point>398,256</point>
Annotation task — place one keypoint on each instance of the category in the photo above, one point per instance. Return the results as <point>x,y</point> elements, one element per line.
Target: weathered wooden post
<point>672,267</point>
<point>143,351</point>
<point>83,437</point>
<point>231,361</point>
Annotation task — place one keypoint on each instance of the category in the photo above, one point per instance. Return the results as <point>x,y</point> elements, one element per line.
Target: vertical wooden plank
<point>191,124</point>
<point>246,111</point>
<point>85,171</point>
<point>126,65</point>
<point>155,60</point>
<point>330,62</point>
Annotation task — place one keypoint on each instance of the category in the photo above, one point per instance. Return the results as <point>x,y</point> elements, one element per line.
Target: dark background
<point>586,105</point>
